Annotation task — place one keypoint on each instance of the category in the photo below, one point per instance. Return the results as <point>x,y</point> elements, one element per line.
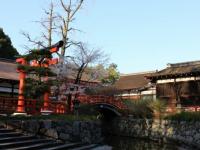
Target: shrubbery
<point>145,108</point>
<point>88,109</point>
<point>50,117</point>
<point>156,108</point>
<point>184,116</point>
<point>139,108</point>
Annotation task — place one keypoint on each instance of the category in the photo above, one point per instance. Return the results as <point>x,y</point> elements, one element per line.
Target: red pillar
<point>20,104</point>
<point>45,109</point>
<point>46,94</point>
<point>21,101</point>
<point>46,101</point>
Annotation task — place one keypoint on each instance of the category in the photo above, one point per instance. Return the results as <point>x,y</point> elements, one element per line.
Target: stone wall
<point>73,131</point>
<point>182,132</point>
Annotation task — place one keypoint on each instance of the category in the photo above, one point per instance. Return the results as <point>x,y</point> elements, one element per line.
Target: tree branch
<point>26,35</point>
<point>76,9</point>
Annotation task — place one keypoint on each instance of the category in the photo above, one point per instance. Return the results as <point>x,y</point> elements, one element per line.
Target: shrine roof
<point>132,81</point>
<point>186,69</point>
<point>8,70</point>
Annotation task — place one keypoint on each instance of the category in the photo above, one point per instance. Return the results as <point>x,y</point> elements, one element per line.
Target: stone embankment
<point>72,131</point>
<point>164,131</point>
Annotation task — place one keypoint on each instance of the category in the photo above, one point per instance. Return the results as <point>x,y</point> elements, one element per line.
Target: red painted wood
<point>20,106</point>
<point>9,105</point>
<point>94,99</point>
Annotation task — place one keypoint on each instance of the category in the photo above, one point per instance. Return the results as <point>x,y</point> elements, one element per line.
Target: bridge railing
<point>58,107</point>
<point>101,99</point>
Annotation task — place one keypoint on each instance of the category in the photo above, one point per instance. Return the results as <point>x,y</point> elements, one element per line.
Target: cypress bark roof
<point>8,70</point>
<point>186,69</point>
<point>132,81</point>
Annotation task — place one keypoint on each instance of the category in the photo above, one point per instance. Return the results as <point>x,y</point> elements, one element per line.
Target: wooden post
<point>21,102</point>
<point>45,110</point>
<point>46,101</point>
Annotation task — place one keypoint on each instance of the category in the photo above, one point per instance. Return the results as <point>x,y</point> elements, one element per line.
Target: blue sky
<point>139,35</point>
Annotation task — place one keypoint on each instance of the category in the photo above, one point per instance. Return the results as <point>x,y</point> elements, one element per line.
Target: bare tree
<point>70,9</point>
<point>85,57</point>
<point>79,65</point>
<point>48,26</point>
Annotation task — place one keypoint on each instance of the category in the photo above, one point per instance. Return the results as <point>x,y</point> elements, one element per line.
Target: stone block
<point>51,133</point>
<point>64,136</point>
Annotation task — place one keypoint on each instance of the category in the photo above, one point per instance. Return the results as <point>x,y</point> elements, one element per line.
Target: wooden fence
<point>9,105</point>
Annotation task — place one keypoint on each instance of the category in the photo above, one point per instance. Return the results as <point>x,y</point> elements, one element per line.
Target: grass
<point>184,116</point>
<point>51,117</point>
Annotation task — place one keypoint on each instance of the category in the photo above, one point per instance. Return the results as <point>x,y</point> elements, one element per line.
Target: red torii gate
<point>22,75</point>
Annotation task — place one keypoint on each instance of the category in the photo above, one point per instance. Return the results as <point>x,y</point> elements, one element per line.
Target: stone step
<point>23,143</point>
<point>86,147</point>
<point>37,146</point>
<point>19,138</point>
<point>3,130</point>
<point>12,140</point>
<point>65,146</point>
<point>10,134</point>
<point>102,147</point>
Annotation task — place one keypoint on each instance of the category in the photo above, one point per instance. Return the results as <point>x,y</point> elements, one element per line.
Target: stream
<point>127,143</point>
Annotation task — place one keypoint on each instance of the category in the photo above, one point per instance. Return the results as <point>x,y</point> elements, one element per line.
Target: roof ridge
<point>183,64</point>
<point>7,60</point>
<point>138,73</point>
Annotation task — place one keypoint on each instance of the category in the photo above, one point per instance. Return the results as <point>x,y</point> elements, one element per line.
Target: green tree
<point>6,49</point>
<point>112,74</point>
<point>36,81</point>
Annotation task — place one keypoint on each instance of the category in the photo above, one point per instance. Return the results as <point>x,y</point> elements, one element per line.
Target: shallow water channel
<point>126,143</point>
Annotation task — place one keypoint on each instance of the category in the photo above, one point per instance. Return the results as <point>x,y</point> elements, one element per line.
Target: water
<point>125,143</point>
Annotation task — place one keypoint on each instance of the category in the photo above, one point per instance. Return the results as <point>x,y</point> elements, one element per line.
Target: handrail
<point>101,99</point>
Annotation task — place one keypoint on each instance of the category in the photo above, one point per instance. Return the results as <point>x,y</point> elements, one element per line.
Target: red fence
<point>191,108</point>
<point>9,105</point>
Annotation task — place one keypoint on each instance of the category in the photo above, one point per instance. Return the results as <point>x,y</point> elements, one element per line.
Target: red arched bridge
<point>32,106</point>
<point>101,99</point>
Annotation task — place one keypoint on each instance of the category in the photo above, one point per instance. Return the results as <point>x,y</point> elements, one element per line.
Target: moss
<point>50,117</point>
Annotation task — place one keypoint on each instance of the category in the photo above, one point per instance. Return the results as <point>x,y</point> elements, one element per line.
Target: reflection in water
<point>125,143</point>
